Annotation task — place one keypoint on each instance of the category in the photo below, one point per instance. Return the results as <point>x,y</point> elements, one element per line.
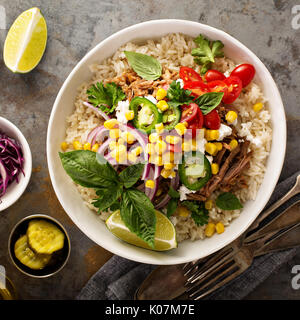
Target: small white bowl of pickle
<point>39,246</point>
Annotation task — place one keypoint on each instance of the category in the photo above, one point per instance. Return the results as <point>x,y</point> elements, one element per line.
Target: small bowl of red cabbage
<point>15,163</point>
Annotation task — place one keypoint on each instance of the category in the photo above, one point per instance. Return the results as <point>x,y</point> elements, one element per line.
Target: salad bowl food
<point>141,82</point>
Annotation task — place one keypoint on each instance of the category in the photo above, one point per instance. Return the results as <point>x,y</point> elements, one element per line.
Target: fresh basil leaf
<point>115,206</point>
<point>107,197</point>
<point>209,101</point>
<point>84,169</point>
<point>131,174</point>
<point>172,206</point>
<point>228,201</point>
<point>178,96</point>
<point>173,193</point>
<point>145,66</point>
<point>198,212</point>
<point>105,97</point>
<point>138,214</point>
<point>206,52</point>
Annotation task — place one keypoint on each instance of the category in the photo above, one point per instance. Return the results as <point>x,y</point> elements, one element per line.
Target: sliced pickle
<point>29,258</point>
<point>44,236</point>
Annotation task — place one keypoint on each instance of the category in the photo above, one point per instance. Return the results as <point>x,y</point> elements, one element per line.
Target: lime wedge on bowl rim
<point>26,41</point>
<point>165,235</point>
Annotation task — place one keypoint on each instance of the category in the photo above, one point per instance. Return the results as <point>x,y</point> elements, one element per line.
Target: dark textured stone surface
<point>74,27</point>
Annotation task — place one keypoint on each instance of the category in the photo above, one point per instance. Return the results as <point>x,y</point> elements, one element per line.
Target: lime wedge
<point>165,235</point>
<point>26,41</point>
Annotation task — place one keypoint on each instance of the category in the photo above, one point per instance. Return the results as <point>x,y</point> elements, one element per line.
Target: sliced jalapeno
<point>171,117</point>
<point>195,170</point>
<point>146,114</point>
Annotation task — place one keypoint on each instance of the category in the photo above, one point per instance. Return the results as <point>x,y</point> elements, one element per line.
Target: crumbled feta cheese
<point>200,145</point>
<point>227,73</point>
<point>245,132</point>
<point>151,98</point>
<point>183,191</point>
<point>224,131</point>
<point>121,109</point>
<point>181,82</point>
<point>210,158</point>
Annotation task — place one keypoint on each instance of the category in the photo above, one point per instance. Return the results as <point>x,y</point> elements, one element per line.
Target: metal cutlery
<point>267,234</point>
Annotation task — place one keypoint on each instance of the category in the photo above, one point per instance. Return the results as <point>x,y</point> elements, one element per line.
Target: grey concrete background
<point>74,27</point>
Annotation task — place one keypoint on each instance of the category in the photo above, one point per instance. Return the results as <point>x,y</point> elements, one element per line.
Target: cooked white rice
<point>173,51</point>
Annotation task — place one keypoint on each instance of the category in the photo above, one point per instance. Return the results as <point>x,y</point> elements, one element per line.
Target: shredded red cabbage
<point>11,162</point>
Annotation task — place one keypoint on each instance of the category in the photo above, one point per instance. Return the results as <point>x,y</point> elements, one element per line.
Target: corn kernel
<point>214,168</point>
<point>183,211</point>
<point>87,146</point>
<point>129,115</point>
<point>258,106</point>
<point>159,127</point>
<point>113,144</point>
<point>77,145</point>
<point>119,153</point>
<point>150,148</point>
<point>154,137</point>
<point>158,161</point>
<point>233,144</point>
<point>128,137</point>
<point>150,184</point>
<point>95,147</point>
<point>219,145</point>
<point>210,229</point>
<point>168,157</point>
<point>231,116</point>
<point>114,133</point>
<point>208,204</point>
<point>180,129</point>
<point>169,166</point>
<point>121,141</point>
<point>186,146</point>
<point>64,146</point>
<point>211,148</point>
<point>185,123</point>
<point>173,174</point>
<point>111,123</point>
<point>161,93</point>
<point>159,192</point>
<point>137,151</point>
<point>162,105</point>
<point>220,227</point>
<point>132,157</point>
<point>173,139</point>
<point>194,145</point>
<point>165,173</point>
<point>160,147</point>
<point>214,134</point>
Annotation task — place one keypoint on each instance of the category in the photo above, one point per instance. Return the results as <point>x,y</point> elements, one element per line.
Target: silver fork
<point>284,219</point>
<point>203,283</point>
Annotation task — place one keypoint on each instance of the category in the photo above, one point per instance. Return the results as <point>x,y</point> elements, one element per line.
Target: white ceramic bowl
<point>15,190</point>
<point>87,220</point>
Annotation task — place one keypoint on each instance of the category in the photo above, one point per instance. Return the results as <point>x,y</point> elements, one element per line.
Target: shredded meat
<point>133,85</point>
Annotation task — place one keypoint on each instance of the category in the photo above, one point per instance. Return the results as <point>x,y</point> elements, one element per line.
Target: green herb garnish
<point>106,97</point>
<point>228,201</point>
<point>198,211</point>
<point>114,191</point>
<point>173,203</point>
<point>145,66</point>
<point>206,52</point>
<point>209,101</point>
<point>178,96</point>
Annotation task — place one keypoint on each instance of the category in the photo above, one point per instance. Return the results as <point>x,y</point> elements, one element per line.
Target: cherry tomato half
<point>189,112</point>
<point>212,75</point>
<point>175,148</point>
<point>212,120</point>
<point>196,123</point>
<point>188,74</point>
<point>197,87</point>
<point>245,72</point>
<point>218,86</point>
<point>235,86</point>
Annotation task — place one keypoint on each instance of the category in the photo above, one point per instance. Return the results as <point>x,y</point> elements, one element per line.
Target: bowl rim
<point>38,216</point>
<point>206,28</point>
<point>23,183</point>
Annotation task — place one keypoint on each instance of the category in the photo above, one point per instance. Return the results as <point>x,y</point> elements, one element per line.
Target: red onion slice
<point>174,183</point>
<point>100,112</point>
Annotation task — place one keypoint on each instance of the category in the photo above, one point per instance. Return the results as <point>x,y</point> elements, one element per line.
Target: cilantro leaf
<point>198,211</point>
<point>106,97</point>
<point>206,52</point>
<point>178,96</point>
<point>173,193</point>
<point>172,206</point>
